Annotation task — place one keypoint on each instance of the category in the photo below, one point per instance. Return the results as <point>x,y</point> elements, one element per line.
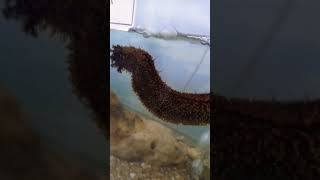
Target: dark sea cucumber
<point>163,101</point>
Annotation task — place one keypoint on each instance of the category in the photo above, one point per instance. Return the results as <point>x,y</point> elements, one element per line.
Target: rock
<point>153,148</point>
<point>123,122</point>
<point>134,138</point>
<point>194,153</point>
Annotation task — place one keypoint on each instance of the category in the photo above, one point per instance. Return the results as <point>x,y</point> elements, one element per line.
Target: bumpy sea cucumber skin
<point>161,100</point>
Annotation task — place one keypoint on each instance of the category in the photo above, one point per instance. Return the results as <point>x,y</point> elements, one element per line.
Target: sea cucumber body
<point>161,100</point>
<point>168,104</point>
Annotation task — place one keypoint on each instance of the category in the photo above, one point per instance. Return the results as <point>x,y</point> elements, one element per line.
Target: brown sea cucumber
<point>160,99</point>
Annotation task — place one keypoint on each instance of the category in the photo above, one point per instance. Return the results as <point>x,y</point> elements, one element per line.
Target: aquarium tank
<point>159,89</point>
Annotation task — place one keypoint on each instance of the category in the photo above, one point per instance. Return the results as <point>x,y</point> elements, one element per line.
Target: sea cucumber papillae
<point>168,104</point>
